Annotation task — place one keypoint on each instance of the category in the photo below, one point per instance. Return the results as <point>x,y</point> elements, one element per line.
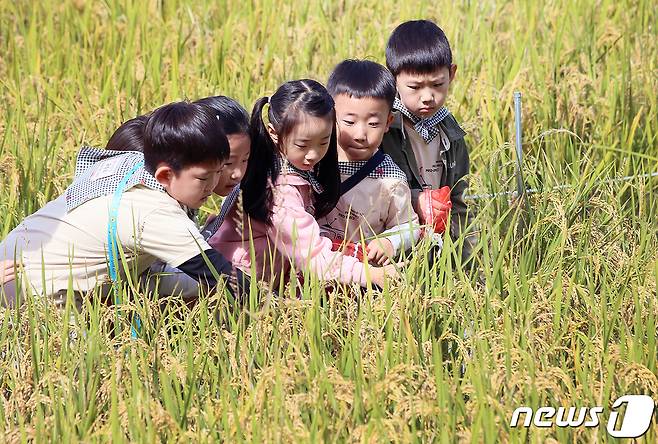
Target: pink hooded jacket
<point>293,239</point>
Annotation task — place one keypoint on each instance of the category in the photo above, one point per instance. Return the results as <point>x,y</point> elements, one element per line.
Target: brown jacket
<point>456,169</point>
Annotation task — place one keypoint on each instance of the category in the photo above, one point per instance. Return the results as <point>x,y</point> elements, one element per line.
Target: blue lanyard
<point>112,240</point>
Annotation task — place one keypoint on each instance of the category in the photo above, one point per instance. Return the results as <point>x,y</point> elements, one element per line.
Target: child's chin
<point>356,155</point>
<point>196,205</point>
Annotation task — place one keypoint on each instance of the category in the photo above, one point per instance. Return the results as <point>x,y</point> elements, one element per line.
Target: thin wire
<point>557,187</point>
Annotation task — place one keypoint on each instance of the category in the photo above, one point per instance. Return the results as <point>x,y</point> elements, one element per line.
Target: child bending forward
<point>291,179</point>
<point>130,199</point>
<point>375,199</point>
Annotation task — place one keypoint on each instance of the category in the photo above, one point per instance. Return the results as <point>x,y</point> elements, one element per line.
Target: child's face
<point>192,185</point>
<point>361,124</point>
<point>307,143</point>
<point>425,94</point>
<point>235,166</point>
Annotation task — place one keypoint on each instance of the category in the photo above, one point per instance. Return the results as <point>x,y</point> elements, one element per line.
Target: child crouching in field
<point>425,140</point>
<point>135,200</point>
<point>375,198</point>
<point>294,180</point>
<point>234,121</point>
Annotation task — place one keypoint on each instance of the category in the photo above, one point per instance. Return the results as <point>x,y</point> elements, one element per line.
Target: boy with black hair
<point>375,201</point>
<point>121,205</point>
<point>425,140</point>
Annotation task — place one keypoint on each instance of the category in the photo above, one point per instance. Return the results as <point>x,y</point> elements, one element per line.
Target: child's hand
<point>7,271</point>
<point>380,251</point>
<point>435,208</point>
<point>379,274</point>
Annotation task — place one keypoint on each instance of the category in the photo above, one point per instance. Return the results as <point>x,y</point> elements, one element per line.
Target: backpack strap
<point>227,205</point>
<point>113,241</point>
<point>362,173</point>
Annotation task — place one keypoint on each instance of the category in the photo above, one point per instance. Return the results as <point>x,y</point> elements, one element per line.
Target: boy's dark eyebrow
<point>371,113</point>
<point>432,80</point>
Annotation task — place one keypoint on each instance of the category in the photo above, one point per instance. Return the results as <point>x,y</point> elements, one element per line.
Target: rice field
<point>560,310</point>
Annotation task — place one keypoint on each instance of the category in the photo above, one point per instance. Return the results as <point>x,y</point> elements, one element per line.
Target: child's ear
<point>164,174</point>
<point>389,120</point>
<point>453,70</point>
<point>272,132</point>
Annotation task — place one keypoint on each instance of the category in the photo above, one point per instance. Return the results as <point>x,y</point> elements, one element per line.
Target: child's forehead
<point>346,103</point>
<point>238,143</point>
<point>435,74</point>
<point>310,126</point>
<point>201,167</point>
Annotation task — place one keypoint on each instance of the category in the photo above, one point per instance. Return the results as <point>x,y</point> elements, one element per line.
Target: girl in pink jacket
<point>291,180</point>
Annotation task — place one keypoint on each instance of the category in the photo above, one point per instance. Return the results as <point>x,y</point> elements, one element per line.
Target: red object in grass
<point>348,248</point>
<point>435,208</point>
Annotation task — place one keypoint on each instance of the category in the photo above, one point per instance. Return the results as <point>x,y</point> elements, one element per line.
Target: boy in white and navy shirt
<point>120,205</point>
<point>374,209</point>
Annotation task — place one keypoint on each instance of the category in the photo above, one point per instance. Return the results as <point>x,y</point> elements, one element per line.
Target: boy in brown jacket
<point>425,140</point>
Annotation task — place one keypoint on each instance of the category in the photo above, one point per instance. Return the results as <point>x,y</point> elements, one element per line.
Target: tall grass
<point>562,312</point>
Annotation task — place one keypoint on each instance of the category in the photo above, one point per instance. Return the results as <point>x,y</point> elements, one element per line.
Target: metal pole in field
<point>521,190</point>
<point>520,184</point>
<point>524,215</point>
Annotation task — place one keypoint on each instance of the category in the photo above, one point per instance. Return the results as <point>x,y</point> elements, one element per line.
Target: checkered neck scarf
<point>427,128</point>
<point>227,205</point>
<point>309,176</point>
<point>387,168</point>
<point>98,173</point>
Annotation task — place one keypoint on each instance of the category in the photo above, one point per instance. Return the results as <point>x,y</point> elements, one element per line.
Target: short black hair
<point>419,47</point>
<point>362,78</point>
<point>181,134</point>
<point>129,136</point>
<point>232,116</point>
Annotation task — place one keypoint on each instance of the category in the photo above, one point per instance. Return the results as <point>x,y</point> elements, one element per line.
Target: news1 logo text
<point>632,424</point>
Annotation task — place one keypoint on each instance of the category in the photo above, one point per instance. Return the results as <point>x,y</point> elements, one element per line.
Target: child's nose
<point>312,156</point>
<point>427,96</point>
<point>360,133</point>
<point>237,174</point>
<point>213,183</point>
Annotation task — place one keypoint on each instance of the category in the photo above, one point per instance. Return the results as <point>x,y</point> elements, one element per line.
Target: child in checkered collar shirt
<point>131,198</point>
<point>425,140</point>
<point>290,182</point>
<point>376,211</point>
